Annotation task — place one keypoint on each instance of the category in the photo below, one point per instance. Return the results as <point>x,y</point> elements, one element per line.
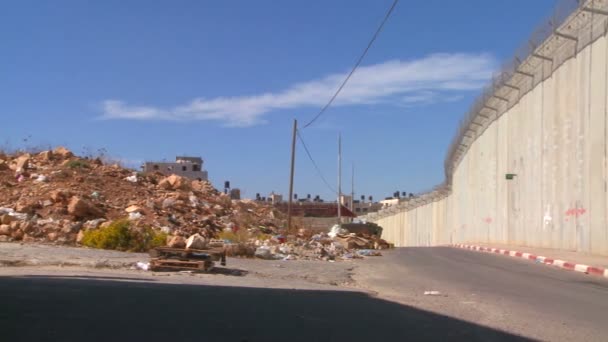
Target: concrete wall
<point>553,136</point>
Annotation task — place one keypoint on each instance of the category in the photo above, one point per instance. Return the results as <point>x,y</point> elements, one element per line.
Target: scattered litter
<point>144,266</point>
<point>263,253</point>
<point>132,178</point>
<point>432,293</point>
<point>368,252</point>
<point>41,179</point>
<point>135,216</point>
<point>336,230</point>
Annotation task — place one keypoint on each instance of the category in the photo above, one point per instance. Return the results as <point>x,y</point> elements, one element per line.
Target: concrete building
<point>389,202</point>
<point>275,198</point>
<point>235,194</point>
<point>190,167</point>
<point>363,207</point>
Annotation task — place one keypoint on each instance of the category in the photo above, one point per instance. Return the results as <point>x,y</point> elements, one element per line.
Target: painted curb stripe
<point>556,262</point>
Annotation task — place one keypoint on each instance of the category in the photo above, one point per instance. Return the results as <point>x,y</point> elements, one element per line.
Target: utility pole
<point>352,189</point>
<point>339,178</point>
<point>293,160</point>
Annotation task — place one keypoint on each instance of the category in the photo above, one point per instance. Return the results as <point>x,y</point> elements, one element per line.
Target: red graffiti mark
<point>576,212</point>
<point>487,220</point>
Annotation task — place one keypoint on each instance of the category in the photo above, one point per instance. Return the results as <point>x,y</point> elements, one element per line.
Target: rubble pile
<point>337,244</point>
<point>54,196</point>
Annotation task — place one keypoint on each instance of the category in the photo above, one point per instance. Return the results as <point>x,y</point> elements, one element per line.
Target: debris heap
<point>54,196</point>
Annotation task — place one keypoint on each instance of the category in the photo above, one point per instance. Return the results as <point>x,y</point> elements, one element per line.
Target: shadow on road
<point>36,308</point>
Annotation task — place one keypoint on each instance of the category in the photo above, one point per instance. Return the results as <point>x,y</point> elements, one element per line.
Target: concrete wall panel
<point>554,138</point>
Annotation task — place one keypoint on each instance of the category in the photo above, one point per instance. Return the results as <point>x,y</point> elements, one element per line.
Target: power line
<point>369,45</point>
<point>314,163</point>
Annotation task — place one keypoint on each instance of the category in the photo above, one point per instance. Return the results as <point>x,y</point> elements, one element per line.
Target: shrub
<point>121,236</point>
<point>78,164</point>
<point>242,235</point>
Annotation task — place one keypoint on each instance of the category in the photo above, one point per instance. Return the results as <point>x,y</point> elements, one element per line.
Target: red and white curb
<point>599,271</point>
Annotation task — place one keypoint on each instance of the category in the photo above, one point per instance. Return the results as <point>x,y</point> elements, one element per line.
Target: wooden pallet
<point>211,254</point>
<point>191,265</point>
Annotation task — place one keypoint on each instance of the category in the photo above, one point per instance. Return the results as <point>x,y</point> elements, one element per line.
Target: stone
<point>164,184</point>
<point>15,225</point>
<point>52,236</point>
<point>28,227</point>
<point>47,203</point>
<point>5,229</point>
<point>176,242</point>
<point>63,152</point>
<point>17,234</point>
<point>80,236</point>
<point>46,155</point>
<point>28,238</point>
<point>60,195</point>
<point>168,203</point>
<point>5,238</point>
<point>71,227</point>
<point>94,224</point>
<point>4,166</point>
<point>82,208</point>
<point>21,163</point>
<point>6,219</point>
<point>26,207</point>
<point>175,182</point>
<point>133,209</point>
<point>196,241</point>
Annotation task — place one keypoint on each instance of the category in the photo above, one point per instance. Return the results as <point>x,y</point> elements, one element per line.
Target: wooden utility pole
<point>293,160</point>
<point>352,190</point>
<point>339,178</point>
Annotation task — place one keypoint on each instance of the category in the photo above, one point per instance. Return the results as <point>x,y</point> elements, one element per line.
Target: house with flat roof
<point>189,167</point>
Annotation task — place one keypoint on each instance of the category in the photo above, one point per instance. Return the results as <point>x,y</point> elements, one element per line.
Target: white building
<point>190,167</point>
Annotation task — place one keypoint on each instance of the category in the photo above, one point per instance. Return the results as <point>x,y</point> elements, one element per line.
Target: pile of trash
<point>53,196</point>
<point>337,244</point>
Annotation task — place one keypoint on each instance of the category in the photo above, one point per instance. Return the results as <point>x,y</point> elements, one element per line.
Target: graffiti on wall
<point>575,212</point>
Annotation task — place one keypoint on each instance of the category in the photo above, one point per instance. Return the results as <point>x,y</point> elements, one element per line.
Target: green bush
<point>121,236</point>
<point>78,164</point>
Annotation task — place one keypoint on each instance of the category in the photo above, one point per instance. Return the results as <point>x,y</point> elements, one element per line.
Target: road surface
<point>515,295</point>
<point>483,297</point>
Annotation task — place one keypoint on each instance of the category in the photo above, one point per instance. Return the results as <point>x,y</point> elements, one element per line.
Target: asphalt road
<point>484,297</point>
<point>515,295</point>
<point>48,308</point>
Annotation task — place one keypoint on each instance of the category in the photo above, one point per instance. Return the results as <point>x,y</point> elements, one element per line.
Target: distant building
<point>235,194</point>
<point>363,207</point>
<point>315,209</point>
<point>389,202</point>
<point>190,167</point>
<point>275,198</point>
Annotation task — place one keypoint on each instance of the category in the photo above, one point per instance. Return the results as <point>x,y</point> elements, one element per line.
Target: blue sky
<point>148,80</point>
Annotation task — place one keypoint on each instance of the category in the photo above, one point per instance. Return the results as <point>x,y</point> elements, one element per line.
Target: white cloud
<point>420,81</point>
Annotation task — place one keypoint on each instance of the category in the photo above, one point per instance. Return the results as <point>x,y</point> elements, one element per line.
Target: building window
<point>364,209</point>
<point>357,210</point>
<point>155,167</point>
<point>184,168</point>
<point>196,167</point>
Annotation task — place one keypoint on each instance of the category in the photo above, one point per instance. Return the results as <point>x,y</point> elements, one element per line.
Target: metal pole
<point>293,160</point>
<point>339,178</point>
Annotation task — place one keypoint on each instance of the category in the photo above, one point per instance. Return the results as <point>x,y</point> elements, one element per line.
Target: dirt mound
<point>54,195</point>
